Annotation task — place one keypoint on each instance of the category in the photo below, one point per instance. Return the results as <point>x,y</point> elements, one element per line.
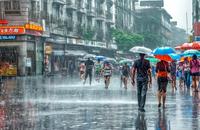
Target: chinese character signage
<point>7,37</point>
<point>12,30</point>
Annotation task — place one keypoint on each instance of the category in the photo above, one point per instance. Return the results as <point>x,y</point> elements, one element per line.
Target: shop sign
<point>30,26</point>
<point>3,21</point>
<point>12,30</point>
<point>8,37</point>
<point>48,49</point>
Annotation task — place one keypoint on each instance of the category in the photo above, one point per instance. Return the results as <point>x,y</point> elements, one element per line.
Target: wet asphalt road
<point>59,103</point>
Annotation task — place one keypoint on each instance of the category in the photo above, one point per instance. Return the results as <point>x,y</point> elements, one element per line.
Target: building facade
<point>153,22</point>
<point>21,41</point>
<point>125,15</point>
<point>66,25</point>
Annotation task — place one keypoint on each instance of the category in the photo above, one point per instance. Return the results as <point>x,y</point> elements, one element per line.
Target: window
<point>12,7</point>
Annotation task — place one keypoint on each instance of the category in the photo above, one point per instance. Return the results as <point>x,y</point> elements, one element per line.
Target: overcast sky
<point>178,9</point>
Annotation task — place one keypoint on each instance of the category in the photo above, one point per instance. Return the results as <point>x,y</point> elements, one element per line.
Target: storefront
<point>21,50</point>
<point>55,59</point>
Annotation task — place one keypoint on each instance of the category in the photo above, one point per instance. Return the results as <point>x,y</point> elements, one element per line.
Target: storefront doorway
<point>9,61</point>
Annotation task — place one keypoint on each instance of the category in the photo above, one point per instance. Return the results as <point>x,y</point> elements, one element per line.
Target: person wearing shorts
<point>195,71</point>
<point>107,72</point>
<point>162,70</point>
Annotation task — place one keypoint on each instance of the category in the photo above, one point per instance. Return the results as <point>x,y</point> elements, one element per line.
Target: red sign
<point>196,27</point>
<point>3,21</point>
<point>12,30</point>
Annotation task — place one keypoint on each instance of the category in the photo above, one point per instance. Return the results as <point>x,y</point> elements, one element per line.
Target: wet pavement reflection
<point>58,103</point>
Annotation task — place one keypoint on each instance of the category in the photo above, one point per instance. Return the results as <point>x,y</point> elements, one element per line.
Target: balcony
<point>57,21</point>
<point>100,35</point>
<point>109,3</point>
<point>70,4</point>
<point>80,8</point>
<point>79,29</point>
<point>61,2</point>
<point>109,17</point>
<point>90,12</point>
<point>100,15</point>
<point>70,24</point>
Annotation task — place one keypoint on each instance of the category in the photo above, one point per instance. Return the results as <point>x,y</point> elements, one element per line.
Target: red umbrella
<point>195,45</point>
<point>164,57</point>
<point>186,46</point>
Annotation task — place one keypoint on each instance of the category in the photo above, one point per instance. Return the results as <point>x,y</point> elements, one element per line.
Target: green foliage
<point>126,41</point>
<point>88,34</point>
<point>152,40</point>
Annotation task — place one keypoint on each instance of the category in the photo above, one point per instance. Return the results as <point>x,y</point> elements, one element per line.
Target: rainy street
<point>59,103</point>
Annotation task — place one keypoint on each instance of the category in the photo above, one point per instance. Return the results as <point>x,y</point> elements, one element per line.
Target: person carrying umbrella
<point>162,70</point>
<point>165,54</point>
<point>143,69</point>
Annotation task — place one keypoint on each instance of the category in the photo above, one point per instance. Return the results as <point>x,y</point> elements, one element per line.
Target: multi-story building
<point>21,40</point>
<point>78,25</point>
<point>57,27</point>
<point>153,21</point>
<point>125,15</point>
<point>180,34</point>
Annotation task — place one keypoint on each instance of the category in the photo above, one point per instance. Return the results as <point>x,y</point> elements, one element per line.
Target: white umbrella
<point>141,50</point>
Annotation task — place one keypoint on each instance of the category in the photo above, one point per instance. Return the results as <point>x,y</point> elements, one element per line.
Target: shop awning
<point>75,53</point>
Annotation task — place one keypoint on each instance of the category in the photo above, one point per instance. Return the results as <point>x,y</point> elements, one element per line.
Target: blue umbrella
<point>163,51</point>
<point>100,57</point>
<point>175,56</point>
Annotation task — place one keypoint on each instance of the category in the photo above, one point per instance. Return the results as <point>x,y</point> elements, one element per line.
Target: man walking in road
<point>89,64</point>
<point>143,69</point>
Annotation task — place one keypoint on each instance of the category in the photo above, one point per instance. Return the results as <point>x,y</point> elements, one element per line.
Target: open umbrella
<point>100,58</point>
<point>141,50</point>
<point>175,56</point>
<point>191,52</point>
<point>186,46</point>
<point>163,51</point>
<point>125,61</point>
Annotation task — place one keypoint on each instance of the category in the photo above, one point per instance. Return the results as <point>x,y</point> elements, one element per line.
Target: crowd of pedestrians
<point>186,71</point>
